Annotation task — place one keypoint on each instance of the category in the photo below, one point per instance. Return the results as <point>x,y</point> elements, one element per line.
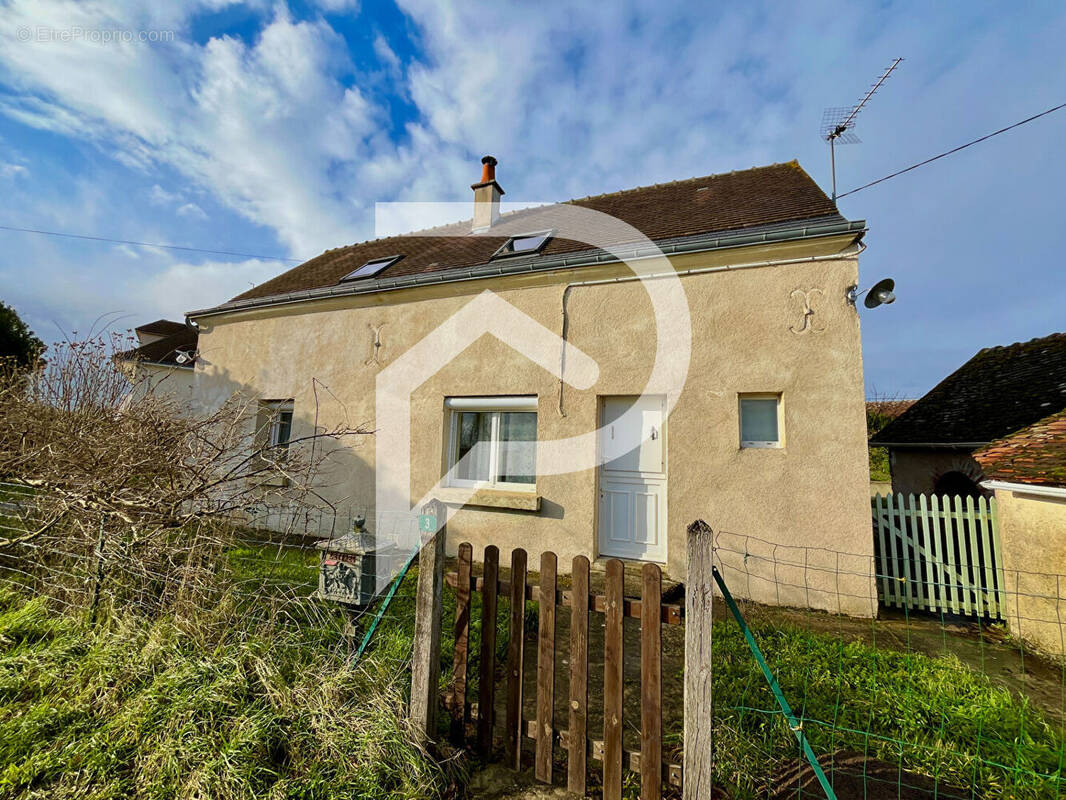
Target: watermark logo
<point>487,313</point>
<point>77,33</point>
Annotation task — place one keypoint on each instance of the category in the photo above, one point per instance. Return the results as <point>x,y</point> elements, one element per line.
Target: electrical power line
<point>147,244</point>
<point>953,150</point>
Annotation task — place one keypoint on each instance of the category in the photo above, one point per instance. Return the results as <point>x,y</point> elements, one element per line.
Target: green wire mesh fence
<point>891,703</point>
<point>887,702</point>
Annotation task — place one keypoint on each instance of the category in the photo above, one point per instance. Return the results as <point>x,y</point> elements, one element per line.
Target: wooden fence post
<point>699,715</point>
<point>651,683</point>
<point>546,668</point>
<point>487,687</point>
<point>462,642</point>
<point>613,653</point>
<point>425,657</point>
<point>579,677</point>
<point>516,649</point>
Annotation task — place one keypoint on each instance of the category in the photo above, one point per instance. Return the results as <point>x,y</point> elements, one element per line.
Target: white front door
<point>632,511</point>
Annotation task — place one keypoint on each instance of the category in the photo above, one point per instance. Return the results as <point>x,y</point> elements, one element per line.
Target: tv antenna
<point>837,123</point>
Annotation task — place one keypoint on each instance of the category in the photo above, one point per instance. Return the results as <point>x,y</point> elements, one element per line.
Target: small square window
<point>524,244</point>
<point>760,420</point>
<point>371,268</point>
<point>493,442</point>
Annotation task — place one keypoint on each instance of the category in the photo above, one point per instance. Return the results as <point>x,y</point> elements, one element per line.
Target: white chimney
<point>486,197</point>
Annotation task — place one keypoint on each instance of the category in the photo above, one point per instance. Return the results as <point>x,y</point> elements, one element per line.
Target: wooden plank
<point>886,583</point>
<point>576,767</point>
<point>630,758</point>
<point>958,521</point>
<point>909,548</point>
<point>672,614</point>
<point>462,642</point>
<point>991,597</point>
<point>631,761</point>
<point>425,655</point>
<point>516,647</point>
<point>975,558</point>
<point>1001,578</point>
<point>612,682</point>
<point>651,684</point>
<point>951,588</point>
<point>895,564</point>
<point>929,564</point>
<point>546,669</point>
<point>699,689</point>
<point>933,511</point>
<point>487,682</point>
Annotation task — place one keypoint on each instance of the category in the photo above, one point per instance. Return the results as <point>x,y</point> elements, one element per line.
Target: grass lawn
<point>256,697</point>
<point>230,703</point>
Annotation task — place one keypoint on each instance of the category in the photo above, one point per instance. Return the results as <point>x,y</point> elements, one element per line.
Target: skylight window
<point>524,244</point>
<point>371,268</point>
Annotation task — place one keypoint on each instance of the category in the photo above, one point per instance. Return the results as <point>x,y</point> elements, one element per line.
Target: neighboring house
<point>1027,471</point>
<point>162,361</point>
<point>997,392</point>
<point>767,441</point>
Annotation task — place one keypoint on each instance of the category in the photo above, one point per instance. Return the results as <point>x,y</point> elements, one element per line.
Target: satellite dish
<point>881,294</point>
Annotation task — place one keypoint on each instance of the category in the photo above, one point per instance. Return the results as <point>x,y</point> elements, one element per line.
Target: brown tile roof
<point>731,201</point>
<point>161,327</point>
<point>1035,455</point>
<point>998,391</point>
<point>165,350</point>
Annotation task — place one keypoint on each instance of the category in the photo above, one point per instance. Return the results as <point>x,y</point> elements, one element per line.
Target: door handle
<point>654,433</point>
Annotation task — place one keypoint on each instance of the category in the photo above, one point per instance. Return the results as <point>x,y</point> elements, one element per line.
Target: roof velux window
<point>371,268</point>
<point>524,244</point>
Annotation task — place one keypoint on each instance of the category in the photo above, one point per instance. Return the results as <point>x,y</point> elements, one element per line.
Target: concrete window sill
<point>493,498</point>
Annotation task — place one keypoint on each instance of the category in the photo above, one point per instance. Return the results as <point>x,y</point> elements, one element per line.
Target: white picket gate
<point>939,554</point>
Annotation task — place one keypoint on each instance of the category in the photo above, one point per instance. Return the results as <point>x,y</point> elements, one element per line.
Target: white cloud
<point>267,127</point>
<point>12,170</point>
<point>161,197</point>
<point>386,55</point>
<point>191,210</point>
<point>182,287</point>
<point>573,99</point>
<point>338,5</point>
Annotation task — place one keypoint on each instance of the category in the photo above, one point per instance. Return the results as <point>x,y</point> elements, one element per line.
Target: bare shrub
<point>102,475</point>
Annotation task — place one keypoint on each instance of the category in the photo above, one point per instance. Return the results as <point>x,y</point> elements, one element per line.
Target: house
<point>765,438</point>
<point>1027,472</point>
<point>163,360</point>
<point>997,392</point>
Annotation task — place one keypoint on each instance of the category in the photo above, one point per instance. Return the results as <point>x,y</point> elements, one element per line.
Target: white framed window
<point>492,442</point>
<point>276,423</point>
<point>760,420</point>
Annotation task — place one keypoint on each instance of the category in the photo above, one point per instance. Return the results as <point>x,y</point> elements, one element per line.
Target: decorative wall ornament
<point>376,354</point>
<point>807,323</point>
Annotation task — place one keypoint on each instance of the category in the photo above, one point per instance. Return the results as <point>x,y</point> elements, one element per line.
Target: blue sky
<point>272,129</point>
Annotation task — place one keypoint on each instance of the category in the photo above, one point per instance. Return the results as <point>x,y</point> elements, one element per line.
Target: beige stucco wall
<point>793,510</point>
<point>177,383</point>
<point>915,470</point>
<point>1032,531</point>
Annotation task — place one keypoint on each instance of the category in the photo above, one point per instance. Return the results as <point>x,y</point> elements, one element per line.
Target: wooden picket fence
<point>476,721</point>
<point>940,554</point>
